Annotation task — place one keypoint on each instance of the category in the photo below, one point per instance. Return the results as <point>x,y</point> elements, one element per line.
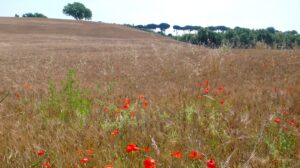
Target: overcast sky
<point>281,14</point>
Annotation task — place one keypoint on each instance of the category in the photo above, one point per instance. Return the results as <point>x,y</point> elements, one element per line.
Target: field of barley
<point>76,94</point>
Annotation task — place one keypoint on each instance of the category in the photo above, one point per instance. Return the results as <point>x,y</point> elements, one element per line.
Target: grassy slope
<point>113,62</point>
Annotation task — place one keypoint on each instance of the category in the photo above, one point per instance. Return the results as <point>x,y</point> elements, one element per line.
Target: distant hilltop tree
<point>78,11</point>
<point>36,15</point>
<point>163,27</point>
<point>271,30</point>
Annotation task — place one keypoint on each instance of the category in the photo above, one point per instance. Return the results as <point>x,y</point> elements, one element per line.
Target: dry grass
<point>113,63</point>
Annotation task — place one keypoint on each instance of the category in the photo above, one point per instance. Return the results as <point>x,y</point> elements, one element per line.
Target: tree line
<point>238,37</point>
<point>35,15</point>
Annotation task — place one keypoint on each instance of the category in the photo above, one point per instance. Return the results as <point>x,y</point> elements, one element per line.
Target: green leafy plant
<point>68,103</point>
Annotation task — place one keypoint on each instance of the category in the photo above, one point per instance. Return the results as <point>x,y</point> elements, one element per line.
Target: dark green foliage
<point>264,36</point>
<point>191,38</point>
<point>188,27</point>
<point>163,26</point>
<point>212,28</point>
<point>222,28</point>
<point>36,15</point>
<point>292,32</point>
<point>209,38</point>
<point>245,38</point>
<point>140,26</point>
<point>216,36</point>
<point>78,11</point>
<point>176,27</point>
<point>203,37</point>
<point>191,28</point>
<point>197,28</point>
<point>271,30</point>
<point>151,26</point>
<point>230,38</point>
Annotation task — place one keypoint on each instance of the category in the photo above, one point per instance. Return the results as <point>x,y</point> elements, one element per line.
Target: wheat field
<point>87,94</point>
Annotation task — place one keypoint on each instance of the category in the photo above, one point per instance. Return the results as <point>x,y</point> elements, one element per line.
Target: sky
<point>282,14</point>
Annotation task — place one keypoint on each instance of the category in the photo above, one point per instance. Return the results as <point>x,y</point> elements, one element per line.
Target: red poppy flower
<point>210,163</point>
<point>149,163</point>
<point>40,153</point>
<point>193,154</point>
<point>46,165</point>
<point>141,96</point>
<point>286,113</point>
<point>126,102</point>
<point>89,151</point>
<point>206,83</point>
<point>277,121</point>
<point>222,102</point>
<point>176,154</point>
<point>145,104</point>
<point>206,90</point>
<point>125,107</point>
<point>132,148</point>
<point>221,89</point>
<point>115,132</point>
<point>85,160</point>
<point>147,149</point>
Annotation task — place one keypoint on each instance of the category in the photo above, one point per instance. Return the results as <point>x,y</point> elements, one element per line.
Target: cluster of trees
<point>163,26</point>
<point>35,15</point>
<point>217,36</point>
<point>242,37</point>
<point>76,10</point>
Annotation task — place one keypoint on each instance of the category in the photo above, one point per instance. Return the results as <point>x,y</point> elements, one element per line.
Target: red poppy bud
<point>46,165</point>
<point>40,153</point>
<point>85,160</point>
<point>176,154</point>
<point>277,121</point>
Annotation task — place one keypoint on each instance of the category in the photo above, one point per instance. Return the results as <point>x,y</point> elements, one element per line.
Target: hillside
<point>134,96</point>
<point>70,28</point>
<point>47,48</point>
